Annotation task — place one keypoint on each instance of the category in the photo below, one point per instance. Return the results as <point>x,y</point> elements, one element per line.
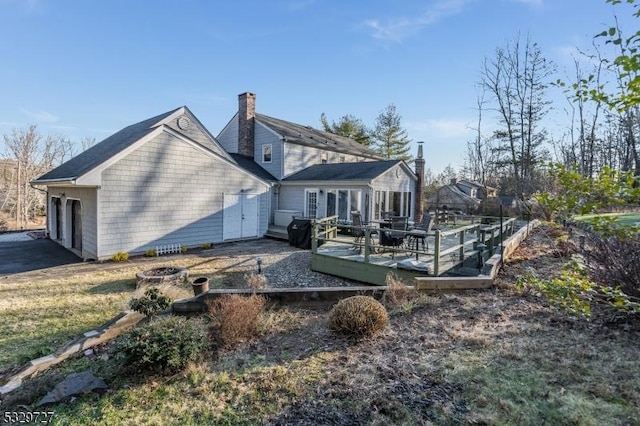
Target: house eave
<point>325,182</point>
<point>54,181</point>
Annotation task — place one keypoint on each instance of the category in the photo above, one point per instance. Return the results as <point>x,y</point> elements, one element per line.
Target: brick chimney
<point>419,165</point>
<point>246,121</point>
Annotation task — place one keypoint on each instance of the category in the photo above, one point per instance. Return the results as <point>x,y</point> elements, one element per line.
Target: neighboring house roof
<point>450,193</point>
<point>363,171</point>
<point>252,167</point>
<point>307,135</point>
<point>475,185</point>
<point>99,153</point>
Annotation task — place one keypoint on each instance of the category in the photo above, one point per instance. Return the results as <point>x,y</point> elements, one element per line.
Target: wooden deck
<point>450,252</point>
<point>337,257</point>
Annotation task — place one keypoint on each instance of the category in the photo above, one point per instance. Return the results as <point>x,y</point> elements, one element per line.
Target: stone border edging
<point>109,330</point>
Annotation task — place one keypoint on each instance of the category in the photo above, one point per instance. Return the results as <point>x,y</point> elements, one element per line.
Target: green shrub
<point>574,293</point>
<point>235,317</point>
<point>358,316</point>
<point>151,253</point>
<point>167,343</point>
<point>183,249</point>
<point>152,303</point>
<point>120,257</point>
<point>206,246</point>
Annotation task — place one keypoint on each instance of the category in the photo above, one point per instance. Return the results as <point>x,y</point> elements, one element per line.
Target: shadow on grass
<point>111,287</point>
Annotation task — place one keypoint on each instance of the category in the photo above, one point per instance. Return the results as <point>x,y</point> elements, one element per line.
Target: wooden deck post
<point>492,240</point>
<point>436,254</point>
<point>314,236</point>
<point>367,244</point>
<point>461,251</point>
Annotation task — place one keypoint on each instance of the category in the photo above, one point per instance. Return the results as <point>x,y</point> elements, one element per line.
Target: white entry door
<point>311,203</point>
<point>240,216</point>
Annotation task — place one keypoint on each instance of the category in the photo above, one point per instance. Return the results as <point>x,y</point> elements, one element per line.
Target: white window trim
<point>263,154</point>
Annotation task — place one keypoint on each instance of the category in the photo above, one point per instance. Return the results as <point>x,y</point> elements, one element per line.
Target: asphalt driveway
<point>25,256</point>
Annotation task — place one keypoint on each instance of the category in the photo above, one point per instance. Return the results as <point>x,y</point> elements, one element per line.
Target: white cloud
<point>397,29</point>
<point>42,116</point>
<point>436,129</point>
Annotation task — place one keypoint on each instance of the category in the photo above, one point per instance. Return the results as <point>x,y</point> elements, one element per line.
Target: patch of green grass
<point>545,382</point>
<point>624,219</point>
<point>37,318</point>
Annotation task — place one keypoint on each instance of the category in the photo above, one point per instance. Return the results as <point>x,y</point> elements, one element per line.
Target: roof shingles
<point>306,135</point>
<point>101,152</point>
<point>363,171</point>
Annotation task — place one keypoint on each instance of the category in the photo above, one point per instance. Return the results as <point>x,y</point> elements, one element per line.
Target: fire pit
<point>162,275</point>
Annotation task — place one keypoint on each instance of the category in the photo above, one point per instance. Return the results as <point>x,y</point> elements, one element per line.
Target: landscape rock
<point>74,384</point>
<point>10,386</point>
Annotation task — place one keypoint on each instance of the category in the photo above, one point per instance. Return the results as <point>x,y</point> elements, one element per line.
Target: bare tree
<point>30,155</point>
<point>516,80</point>
<point>480,161</point>
<point>87,142</point>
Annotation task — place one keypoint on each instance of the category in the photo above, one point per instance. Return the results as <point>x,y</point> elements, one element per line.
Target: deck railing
<point>490,235</point>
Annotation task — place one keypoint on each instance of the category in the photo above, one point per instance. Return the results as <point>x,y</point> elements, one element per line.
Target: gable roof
<point>252,167</point>
<point>474,184</point>
<point>99,153</point>
<point>307,135</point>
<point>454,192</point>
<point>115,144</point>
<point>363,171</point>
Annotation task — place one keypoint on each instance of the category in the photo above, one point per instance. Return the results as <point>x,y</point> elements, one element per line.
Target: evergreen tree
<point>391,140</point>
<point>348,126</point>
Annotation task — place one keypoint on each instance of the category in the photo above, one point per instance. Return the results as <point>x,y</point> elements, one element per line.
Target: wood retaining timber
<point>301,297</point>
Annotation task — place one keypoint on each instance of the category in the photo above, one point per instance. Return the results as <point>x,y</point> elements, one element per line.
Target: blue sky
<point>88,68</point>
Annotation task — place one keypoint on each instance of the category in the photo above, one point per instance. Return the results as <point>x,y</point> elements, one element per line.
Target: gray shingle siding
<point>168,192</point>
<point>228,137</point>
<point>292,198</point>
<point>265,137</point>
<point>389,182</point>
<point>198,133</point>
<point>300,157</point>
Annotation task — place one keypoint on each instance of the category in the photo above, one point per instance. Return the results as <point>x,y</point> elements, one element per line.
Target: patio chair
<point>422,230</point>
<point>395,234</point>
<point>358,228</point>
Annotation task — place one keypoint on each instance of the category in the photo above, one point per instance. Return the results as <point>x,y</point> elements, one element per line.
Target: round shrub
<point>359,316</point>
<point>165,343</point>
<point>152,303</point>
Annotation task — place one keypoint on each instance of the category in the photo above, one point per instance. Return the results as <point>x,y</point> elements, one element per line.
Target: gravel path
<point>283,265</point>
